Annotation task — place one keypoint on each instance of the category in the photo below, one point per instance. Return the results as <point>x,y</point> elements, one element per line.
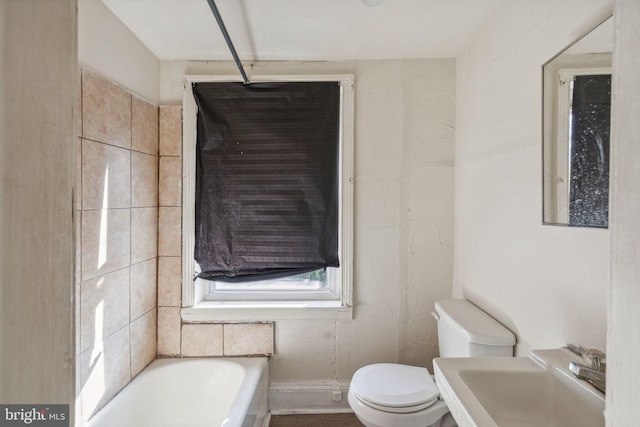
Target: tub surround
<point>169,233</point>
<point>175,338</point>
<point>129,245</point>
<point>117,163</point>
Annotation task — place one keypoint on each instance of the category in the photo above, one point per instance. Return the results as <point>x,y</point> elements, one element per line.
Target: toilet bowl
<point>389,395</point>
<point>397,395</point>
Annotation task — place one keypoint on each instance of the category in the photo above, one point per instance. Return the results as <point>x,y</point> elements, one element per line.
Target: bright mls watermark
<point>34,415</point>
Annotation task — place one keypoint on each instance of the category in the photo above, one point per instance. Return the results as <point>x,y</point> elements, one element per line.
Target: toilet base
<point>447,421</point>
<point>436,415</point>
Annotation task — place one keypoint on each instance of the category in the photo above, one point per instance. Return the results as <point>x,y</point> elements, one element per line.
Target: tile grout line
<point>130,227</point>
<point>158,233</point>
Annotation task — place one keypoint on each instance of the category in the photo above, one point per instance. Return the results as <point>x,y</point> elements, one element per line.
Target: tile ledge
<point>264,311</point>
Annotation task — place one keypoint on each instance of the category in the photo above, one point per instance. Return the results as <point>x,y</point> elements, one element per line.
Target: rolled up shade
<point>266,179</point>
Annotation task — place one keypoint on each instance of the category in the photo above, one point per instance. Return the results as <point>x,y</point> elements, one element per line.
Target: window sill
<point>236,311</point>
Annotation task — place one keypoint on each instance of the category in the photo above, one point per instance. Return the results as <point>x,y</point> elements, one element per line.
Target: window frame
<point>274,306</point>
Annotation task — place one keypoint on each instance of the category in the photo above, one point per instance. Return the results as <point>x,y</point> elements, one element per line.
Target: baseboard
<point>309,397</point>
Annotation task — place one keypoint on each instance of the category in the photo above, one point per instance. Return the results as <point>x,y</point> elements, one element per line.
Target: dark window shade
<point>266,179</point>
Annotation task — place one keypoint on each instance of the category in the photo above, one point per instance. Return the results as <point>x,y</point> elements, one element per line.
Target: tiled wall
<point>169,231</point>
<point>117,229</point>
<point>174,337</point>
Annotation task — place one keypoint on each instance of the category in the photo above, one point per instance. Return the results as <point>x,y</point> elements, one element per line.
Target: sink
<point>538,390</point>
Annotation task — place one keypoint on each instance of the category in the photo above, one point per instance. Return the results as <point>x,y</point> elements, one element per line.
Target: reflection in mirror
<point>576,123</point>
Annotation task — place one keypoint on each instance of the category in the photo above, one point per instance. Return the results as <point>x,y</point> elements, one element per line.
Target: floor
<point>323,420</point>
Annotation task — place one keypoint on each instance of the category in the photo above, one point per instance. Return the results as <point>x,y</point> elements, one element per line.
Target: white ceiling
<point>305,29</point>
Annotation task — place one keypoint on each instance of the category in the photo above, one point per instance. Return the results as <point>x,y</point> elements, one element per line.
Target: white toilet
<point>395,395</point>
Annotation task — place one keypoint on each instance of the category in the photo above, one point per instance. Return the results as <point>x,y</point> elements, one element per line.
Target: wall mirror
<point>576,123</point>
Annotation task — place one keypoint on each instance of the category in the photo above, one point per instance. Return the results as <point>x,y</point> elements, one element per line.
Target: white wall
<point>109,48</point>
<point>548,284</point>
<point>37,87</point>
<point>404,131</point>
<point>623,342</point>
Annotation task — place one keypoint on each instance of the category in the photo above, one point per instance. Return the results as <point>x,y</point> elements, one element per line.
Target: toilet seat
<point>394,387</point>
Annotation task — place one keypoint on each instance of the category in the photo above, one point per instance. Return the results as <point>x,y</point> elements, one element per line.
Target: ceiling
<point>305,29</point>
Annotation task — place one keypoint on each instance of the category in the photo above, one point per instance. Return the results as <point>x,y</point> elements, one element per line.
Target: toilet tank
<point>464,330</point>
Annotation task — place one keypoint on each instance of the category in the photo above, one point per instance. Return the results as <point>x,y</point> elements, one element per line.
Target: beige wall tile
<point>106,176</point>
<point>168,331</point>
<point>169,231</point>
<point>169,281</point>
<point>144,180</point>
<point>77,317</point>
<point>248,339</point>
<point>78,182</point>
<point>144,126</point>
<point>200,340</point>
<point>105,241</point>
<point>142,295</point>
<point>104,307</point>
<point>78,243</point>
<point>105,371</point>
<point>144,234</point>
<point>170,125</point>
<point>170,193</point>
<point>77,105</point>
<point>106,111</point>
<point>143,341</point>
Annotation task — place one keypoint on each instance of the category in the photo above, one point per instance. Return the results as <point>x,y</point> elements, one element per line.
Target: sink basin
<point>538,390</point>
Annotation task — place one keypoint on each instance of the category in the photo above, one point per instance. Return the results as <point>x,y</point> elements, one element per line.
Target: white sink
<point>538,390</point>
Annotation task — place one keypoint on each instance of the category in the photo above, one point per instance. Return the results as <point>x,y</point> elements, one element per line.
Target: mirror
<point>576,119</point>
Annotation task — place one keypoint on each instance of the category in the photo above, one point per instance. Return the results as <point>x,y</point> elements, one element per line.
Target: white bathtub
<point>192,392</point>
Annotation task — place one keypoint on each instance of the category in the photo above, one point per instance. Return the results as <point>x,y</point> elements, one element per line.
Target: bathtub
<point>192,392</point>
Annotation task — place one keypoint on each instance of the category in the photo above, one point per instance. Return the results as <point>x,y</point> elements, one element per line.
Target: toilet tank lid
<point>479,327</point>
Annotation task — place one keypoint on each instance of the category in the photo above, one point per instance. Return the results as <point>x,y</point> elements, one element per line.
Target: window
<point>323,291</point>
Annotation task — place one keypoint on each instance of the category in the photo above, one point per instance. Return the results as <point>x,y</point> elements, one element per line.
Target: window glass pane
<point>312,281</point>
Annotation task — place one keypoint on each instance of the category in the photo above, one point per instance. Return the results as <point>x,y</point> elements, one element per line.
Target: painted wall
<point>37,80</point>
<point>548,284</point>
<point>404,132</point>
<point>623,342</point>
<point>106,46</point>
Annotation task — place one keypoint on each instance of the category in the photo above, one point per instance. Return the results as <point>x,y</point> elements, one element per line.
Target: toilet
<point>396,395</point>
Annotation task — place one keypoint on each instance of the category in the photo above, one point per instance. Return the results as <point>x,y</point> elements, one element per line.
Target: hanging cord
<point>216,13</point>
